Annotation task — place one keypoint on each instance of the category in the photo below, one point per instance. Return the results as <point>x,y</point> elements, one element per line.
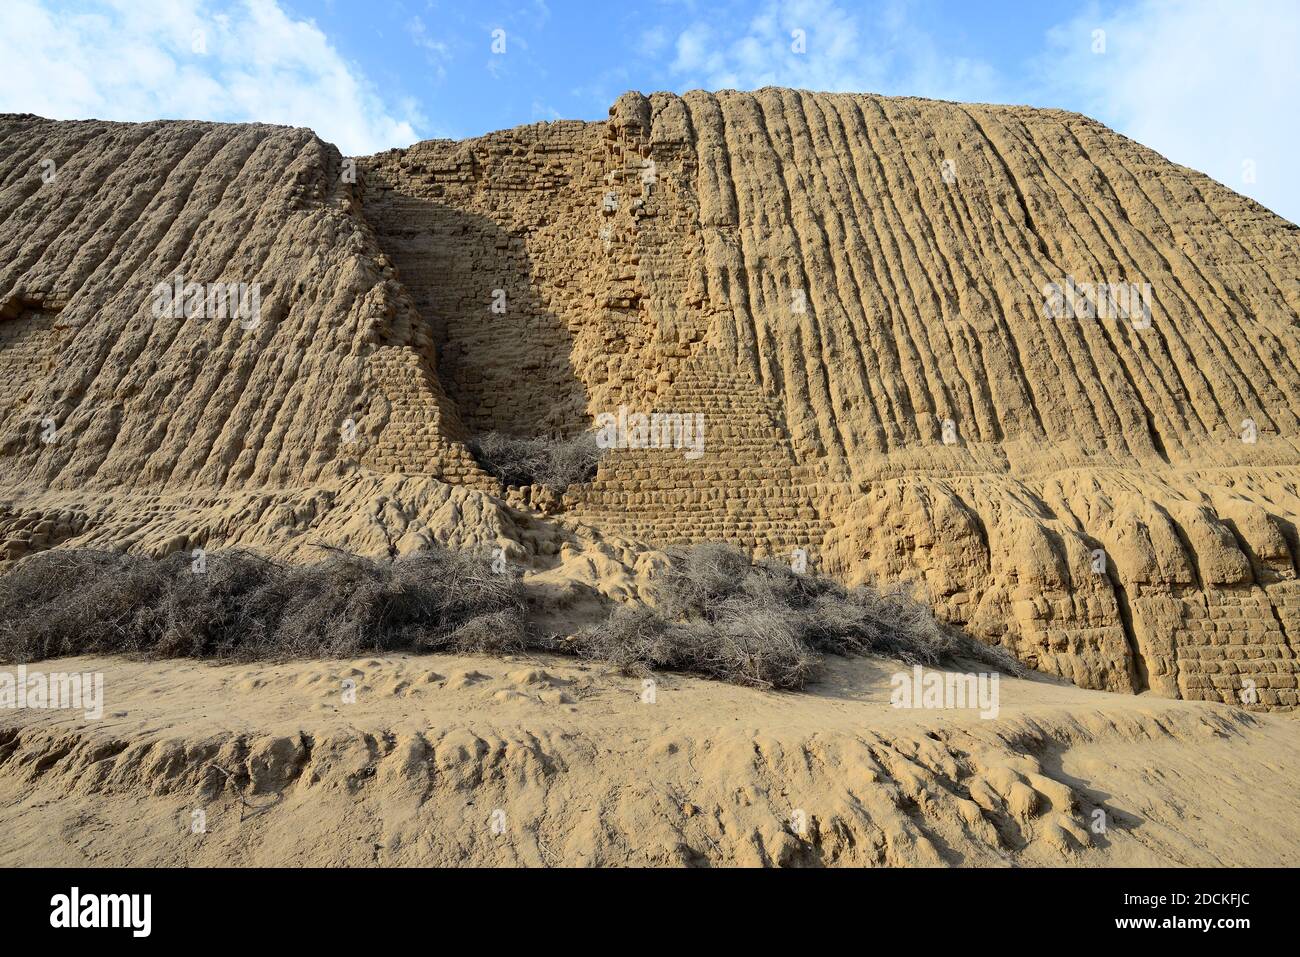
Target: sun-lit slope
<point>275,428</point>
<point>95,216</point>
<point>439,760</point>
<point>832,280</point>
<point>849,289</point>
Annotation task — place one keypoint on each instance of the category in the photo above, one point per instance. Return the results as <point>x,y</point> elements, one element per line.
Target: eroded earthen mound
<point>851,295</point>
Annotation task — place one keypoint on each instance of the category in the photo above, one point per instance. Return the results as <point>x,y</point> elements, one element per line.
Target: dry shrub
<point>717,613</point>
<point>243,606</point>
<point>79,602</point>
<point>762,624</point>
<point>637,640</point>
<point>557,463</point>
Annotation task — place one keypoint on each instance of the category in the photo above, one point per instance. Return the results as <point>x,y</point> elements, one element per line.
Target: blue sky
<point>1213,84</point>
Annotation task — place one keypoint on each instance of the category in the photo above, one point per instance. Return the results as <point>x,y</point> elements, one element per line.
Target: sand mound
<point>453,760</point>
<point>846,299</point>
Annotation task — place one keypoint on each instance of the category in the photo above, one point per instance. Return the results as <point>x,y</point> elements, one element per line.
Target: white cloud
<point>544,111</point>
<point>1210,84</point>
<point>436,52</point>
<point>652,42</point>
<point>844,50</point>
<point>190,59</point>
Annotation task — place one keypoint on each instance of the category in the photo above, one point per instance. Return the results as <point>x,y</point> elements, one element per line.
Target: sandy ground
<point>546,762</point>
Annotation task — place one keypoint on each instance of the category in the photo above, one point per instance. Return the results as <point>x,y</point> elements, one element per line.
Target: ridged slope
<point>828,279</point>
<point>922,295</point>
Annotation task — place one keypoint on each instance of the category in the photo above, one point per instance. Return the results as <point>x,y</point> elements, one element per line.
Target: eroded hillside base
<point>543,762</point>
<point>1178,581</point>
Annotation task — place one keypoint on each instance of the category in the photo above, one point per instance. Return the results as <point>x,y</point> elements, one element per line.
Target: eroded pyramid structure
<point>1003,354</point>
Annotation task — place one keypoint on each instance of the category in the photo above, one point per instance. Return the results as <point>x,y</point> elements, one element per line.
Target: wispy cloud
<point>544,111</point>
<point>1212,84</point>
<point>193,59</point>
<point>823,45</point>
<point>436,52</point>
<point>652,42</point>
